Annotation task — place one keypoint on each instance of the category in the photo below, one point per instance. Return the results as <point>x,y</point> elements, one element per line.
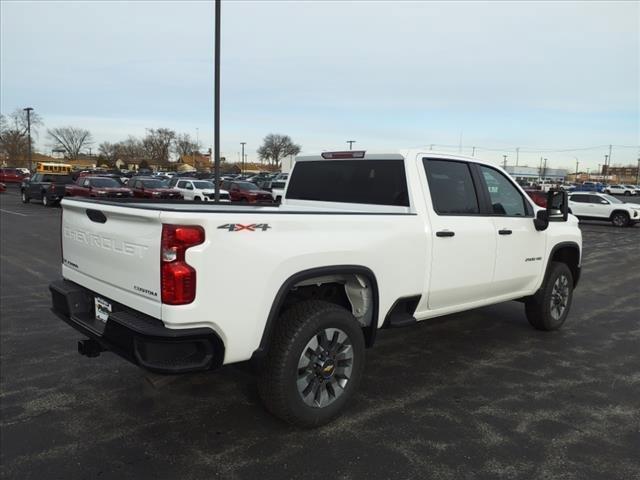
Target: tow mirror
<point>541,222</point>
<point>557,206</point>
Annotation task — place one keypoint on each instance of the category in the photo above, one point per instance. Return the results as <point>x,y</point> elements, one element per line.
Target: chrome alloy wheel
<point>559,297</point>
<point>325,367</point>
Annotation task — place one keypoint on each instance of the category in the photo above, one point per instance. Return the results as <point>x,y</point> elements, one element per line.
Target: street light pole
<point>577,163</point>
<point>351,142</point>
<point>29,110</point>
<point>216,103</point>
<point>242,164</point>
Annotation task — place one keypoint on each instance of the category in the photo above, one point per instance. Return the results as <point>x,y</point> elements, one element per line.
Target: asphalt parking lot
<point>473,395</point>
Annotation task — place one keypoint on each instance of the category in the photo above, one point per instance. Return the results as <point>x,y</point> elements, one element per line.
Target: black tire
<point>626,194</point>
<point>620,219</point>
<point>197,199</point>
<point>280,374</point>
<point>25,197</point>
<point>548,309</point>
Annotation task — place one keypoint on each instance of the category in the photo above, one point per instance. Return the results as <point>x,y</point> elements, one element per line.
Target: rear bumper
<point>136,337</point>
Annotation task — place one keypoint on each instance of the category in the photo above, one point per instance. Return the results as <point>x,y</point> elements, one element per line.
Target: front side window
<point>451,186</point>
<point>505,197</point>
<point>579,198</point>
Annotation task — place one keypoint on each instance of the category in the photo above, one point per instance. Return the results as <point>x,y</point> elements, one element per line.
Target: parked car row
<point>51,188</point>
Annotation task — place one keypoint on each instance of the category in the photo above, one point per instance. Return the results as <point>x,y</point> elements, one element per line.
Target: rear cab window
<point>357,181</point>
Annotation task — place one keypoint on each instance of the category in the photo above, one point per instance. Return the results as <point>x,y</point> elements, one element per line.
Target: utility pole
<point>216,103</point>
<point>431,147</point>
<point>351,142</point>
<point>577,163</point>
<point>544,172</point>
<point>638,174</point>
<point>540,170</point>
<point>29,110</point>
<point>242,168</point>
<point>504,164</point>
<point>473,152</point>
<point>610,154</point>
<point>517,155</point>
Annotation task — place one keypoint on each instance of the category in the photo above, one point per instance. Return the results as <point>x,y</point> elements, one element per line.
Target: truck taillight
<point>177,277</point>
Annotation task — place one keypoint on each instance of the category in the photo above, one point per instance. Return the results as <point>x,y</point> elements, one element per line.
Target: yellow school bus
<point>53,167</point>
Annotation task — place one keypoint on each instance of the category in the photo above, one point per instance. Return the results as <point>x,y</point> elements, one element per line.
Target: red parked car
<point>101,187</point>
<point>11,175</point>
<point>538,196</point>
<point>246,192</point>
<point>148,187</point>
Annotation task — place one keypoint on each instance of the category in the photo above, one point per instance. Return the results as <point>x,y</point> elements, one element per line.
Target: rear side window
<point>373,182</point>
<point>451,186</point>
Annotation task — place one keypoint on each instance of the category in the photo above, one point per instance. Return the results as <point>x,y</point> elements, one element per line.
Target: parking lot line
<point>13,213</point>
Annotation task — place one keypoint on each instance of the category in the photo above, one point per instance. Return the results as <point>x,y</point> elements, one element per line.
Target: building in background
<point>524,174</point>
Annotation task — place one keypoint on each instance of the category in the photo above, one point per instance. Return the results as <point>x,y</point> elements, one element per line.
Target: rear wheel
<point>620,219</point>
<point>314,364</point>
<point>25,197</point>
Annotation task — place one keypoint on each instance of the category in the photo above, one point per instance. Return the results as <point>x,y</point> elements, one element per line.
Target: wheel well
<point>624,212</point>
<point>570,255</point>
<point>352,287</point>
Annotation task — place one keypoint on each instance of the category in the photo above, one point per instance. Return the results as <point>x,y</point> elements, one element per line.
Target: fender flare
<point>558,246</point>
<point>370,331</point>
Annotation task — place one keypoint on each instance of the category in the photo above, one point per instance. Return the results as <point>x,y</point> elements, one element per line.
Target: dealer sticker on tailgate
<point>103,309</point>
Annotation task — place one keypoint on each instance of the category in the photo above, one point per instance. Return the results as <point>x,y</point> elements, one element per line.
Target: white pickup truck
<point>360,242</point>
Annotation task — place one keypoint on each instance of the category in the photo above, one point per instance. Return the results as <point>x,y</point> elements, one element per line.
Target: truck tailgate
<point>114,251</point>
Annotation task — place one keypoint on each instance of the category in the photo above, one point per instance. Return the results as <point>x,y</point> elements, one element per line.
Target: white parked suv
<point>361,242</point>
<point>278,186</point>
<point>200,190</point>
<point>620,190</point>
<point>600,206</point>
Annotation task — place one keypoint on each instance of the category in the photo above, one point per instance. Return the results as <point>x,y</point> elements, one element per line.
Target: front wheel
<point>620,219</point>
<point>314,365</point>
<point>25,197</point>
<point>549,307</point>
<point>626,194</point>
<point>197,199</point>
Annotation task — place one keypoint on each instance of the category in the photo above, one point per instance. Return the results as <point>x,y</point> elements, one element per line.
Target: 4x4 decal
<point>238,227</point>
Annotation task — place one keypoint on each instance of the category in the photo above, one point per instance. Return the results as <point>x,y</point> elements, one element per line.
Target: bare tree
<point>70,139</point>
<point>14,138</point>
<point>185,145</point>
<point>157,145</point>
<point>130,149</point>
<point>109,152</point>
<point>274,147</point>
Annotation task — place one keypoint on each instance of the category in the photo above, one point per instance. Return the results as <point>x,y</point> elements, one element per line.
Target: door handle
<point>445,233</point>
<point>505,232</point>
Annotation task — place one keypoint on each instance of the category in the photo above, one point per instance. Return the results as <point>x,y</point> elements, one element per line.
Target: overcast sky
<point>390,75</point>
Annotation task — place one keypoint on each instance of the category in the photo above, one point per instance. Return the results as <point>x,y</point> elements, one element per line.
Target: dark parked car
<point>101,187</point>
<point>47,187</point>
<point>151,187</point>
<point>246,192</point>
